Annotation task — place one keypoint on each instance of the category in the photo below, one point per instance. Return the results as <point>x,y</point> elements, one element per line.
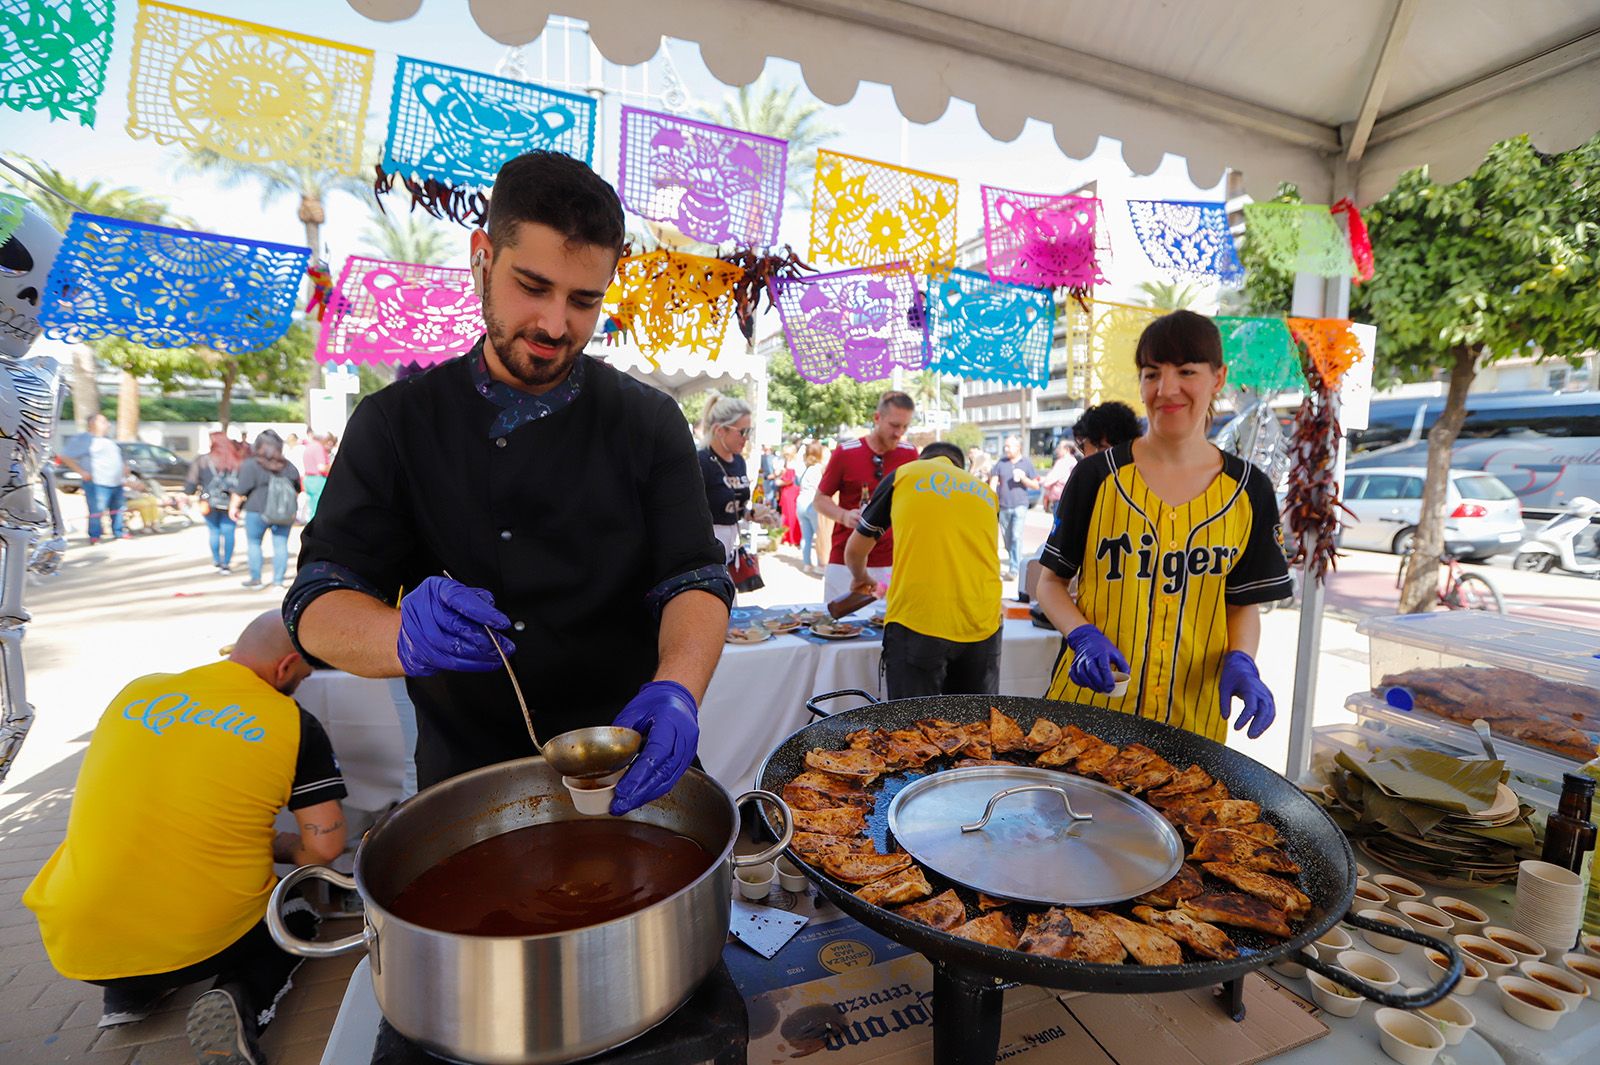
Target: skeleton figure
<point>30,518</point>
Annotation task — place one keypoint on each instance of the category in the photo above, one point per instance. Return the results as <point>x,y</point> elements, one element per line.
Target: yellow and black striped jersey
<point>1156,580</point>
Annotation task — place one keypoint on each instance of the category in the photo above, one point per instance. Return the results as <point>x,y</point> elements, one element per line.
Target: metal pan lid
<point>1035,835</point>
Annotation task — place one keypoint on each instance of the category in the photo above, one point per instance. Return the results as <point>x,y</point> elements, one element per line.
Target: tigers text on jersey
<point>1157,579</point>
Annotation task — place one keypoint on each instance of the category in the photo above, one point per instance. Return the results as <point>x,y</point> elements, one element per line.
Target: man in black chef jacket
<point>562,497</point>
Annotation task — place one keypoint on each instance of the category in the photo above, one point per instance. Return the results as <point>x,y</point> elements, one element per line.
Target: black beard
<point>528,371</point>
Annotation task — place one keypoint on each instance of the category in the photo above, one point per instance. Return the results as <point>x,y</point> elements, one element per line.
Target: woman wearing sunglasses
<point>725,430</point>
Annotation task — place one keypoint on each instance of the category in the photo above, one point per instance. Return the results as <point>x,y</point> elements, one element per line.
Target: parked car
<point>1482,515</point>
<point>151,460</point>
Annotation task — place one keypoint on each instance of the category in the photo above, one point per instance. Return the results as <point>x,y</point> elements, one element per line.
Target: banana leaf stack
<point>1444,820</point>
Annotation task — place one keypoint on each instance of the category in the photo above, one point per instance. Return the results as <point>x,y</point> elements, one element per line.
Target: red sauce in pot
<point>552,877</point>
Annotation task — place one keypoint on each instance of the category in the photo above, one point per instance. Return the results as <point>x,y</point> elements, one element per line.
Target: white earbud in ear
<point>477,273</point>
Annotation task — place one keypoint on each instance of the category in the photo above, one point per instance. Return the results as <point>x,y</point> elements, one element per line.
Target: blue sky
<point>869,125</point>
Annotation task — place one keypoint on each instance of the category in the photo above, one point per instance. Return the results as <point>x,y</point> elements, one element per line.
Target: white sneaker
<point>217,1033</point>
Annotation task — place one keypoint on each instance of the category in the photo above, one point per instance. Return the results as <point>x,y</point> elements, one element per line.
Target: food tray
<point>1532,770</point>
<point>1379,726</point>
<point>1537,684</point>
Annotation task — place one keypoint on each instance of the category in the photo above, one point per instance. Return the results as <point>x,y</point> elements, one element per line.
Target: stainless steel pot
<point>526,1000</point>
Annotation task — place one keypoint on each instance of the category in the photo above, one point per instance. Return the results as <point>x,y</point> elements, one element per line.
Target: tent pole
<point>1315,297</point>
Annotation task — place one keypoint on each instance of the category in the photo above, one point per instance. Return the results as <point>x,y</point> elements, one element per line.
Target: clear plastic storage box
<point>1535,683</point>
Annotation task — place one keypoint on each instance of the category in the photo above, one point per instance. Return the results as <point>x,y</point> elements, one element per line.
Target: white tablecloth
<point>758,694</point>
<point>756,698</point>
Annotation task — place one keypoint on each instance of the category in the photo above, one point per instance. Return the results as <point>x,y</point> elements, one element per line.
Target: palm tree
<point>411,238</point>
<point>1169,295</point>
<point>931,391</point>
<point>112,201</point>
<point>775,111</point>
<point>311,184</point>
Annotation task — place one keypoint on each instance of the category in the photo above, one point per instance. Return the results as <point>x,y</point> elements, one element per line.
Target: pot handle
<point>307,948</point>
<point>1408,1000</point>
<point>784,838</point>
<point>817,711</point>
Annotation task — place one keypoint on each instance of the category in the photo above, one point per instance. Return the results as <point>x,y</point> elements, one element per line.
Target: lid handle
<point>994,800</point>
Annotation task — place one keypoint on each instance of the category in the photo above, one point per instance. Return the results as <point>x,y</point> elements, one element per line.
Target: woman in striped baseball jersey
<point>1174,545</point>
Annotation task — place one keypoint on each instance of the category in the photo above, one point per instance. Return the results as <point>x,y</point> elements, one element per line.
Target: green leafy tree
<point>411,238</point>
<point>780,111</point>
<point>1169,295</point>
<point>931,391</point>
<point>965,436</point>
<point>1504,263</point>
<point>819,410</point>
<point>282,368</point>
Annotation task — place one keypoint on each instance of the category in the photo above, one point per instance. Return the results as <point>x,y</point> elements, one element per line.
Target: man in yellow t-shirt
<point>165,871</point>
<point>942,634</point>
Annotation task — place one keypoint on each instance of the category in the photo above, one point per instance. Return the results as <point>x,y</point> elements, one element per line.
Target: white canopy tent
<point>1339,99</point>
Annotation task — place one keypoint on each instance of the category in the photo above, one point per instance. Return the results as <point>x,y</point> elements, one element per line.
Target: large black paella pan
<point>969,975</point>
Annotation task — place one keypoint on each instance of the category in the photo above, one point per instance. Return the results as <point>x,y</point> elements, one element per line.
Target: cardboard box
<point>846,995</point>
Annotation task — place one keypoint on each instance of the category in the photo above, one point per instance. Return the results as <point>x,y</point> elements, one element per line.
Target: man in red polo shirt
<point>854,471</point>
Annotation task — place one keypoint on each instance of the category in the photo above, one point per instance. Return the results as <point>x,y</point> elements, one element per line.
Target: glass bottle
<point>1569,834</point>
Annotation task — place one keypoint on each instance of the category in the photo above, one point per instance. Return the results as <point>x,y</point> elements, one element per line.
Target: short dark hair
<point>558,191</point>
<point>1108,425</point>
<point>944,449</point>
<point>1178,338</point>
<point>896,399</point>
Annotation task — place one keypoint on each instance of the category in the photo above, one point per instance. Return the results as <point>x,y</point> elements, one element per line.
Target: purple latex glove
<point>1239,678</point>
<point>664,712</point>
<point>1093,657</point>
<point>441,628</point>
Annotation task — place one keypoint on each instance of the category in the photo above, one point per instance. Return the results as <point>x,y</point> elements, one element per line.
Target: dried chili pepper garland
<point>759,271</point>
<point>1312,505</point>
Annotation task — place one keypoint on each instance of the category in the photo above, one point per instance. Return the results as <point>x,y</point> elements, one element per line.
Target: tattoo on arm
<point>323,830</point>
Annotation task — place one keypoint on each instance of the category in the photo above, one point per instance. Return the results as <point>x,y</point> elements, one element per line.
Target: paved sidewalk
<point>117,610</point>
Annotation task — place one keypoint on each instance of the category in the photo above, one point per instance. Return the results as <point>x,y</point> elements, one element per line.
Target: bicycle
<point>1459,590</point>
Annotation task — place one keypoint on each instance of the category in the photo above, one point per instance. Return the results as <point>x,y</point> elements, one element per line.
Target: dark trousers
<point>915,664</point>
<point>254,967</point>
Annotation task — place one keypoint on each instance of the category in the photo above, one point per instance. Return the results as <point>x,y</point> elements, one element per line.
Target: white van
<point>1482,515</point>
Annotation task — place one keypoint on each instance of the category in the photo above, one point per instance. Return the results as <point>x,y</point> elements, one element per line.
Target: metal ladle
<point>584,752</point>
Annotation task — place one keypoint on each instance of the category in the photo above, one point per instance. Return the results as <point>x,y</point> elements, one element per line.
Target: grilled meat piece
<point>944,911</point>
<point>911,747</point>
<point>1262,831</point>
<point>861,766</point>
<point>846,792</point>
<point>1270,889</point>
<point>1074,741</point>
<point>1206,940</point>
<point>1093,762</point>
<point>813,845</point>
<point>1224,813</point>
<point>1239,910</point>
<point>1240,848</point>
<point>1187,782</point>
<point>862,868</point>
<point>968,763</point>
<point>1138,769</point>
<point>800,798</point>
<point>862,739</point>
<point>989,902</point>
<point>837,821</point>
<point>1004,732</point>
<point>1062,932</point>
<point>945,735</point>
<point>908,885</point>
<point>993,929</point>
<point>1044,735</point>
<point>979,744</point>
<point>1148,946</point>
<point>1186,883</point>
<point>1216,792</point>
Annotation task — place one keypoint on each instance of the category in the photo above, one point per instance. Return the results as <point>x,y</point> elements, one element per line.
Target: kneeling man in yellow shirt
<point>942,623</point>
<point>165,871</point>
